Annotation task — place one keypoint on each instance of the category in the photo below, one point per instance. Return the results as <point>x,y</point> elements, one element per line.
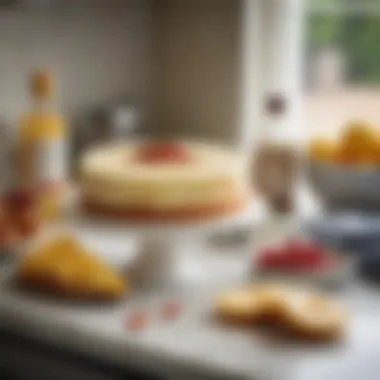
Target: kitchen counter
<point>195,346</point>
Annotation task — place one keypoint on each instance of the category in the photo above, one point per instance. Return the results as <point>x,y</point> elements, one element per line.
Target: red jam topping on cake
<point>296,256</point>
<point>164,153</point>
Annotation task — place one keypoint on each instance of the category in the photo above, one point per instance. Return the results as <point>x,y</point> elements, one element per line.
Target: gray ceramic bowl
<point>339,186</point>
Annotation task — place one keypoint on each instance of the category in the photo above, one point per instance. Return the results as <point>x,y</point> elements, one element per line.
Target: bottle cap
<point>275,104</point>
<point>42,83</point>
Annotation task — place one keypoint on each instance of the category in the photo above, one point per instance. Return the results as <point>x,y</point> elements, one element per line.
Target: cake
<point>163,181</point>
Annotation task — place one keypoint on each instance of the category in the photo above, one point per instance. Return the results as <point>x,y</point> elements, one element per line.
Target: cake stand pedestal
<point>159,259</point>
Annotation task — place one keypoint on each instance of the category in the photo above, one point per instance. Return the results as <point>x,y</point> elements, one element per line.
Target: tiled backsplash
<point>98,52</point>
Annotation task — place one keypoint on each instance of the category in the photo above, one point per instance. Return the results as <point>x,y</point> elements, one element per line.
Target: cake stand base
<point>166,255</point>
<point>155,264</point>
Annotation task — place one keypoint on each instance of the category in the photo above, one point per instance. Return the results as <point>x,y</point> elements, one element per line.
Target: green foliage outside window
<point>356,35</point>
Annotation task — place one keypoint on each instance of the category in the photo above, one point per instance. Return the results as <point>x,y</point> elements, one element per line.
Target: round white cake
<point>164,180</point>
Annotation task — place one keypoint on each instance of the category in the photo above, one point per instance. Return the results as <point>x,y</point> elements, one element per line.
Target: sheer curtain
<point>272,55</point>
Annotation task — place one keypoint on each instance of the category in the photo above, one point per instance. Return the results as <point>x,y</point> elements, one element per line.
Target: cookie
<point>312,317</point>
<point>254,305</point>
<point>238,307</point>
<point>298,313</point>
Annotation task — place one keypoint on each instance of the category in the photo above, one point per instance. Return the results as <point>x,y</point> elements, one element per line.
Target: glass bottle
<point>42,147</point>
<point>276,160</point>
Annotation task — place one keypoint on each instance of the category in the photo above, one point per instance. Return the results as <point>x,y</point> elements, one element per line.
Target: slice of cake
<point>65,268</point>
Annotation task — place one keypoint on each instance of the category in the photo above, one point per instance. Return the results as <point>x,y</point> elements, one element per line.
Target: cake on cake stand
<point>168,194</point>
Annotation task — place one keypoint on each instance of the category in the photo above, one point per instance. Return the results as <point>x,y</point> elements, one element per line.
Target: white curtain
<point>272,54</point>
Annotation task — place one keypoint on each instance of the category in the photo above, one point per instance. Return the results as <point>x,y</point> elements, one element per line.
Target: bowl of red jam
<point>302,259</point>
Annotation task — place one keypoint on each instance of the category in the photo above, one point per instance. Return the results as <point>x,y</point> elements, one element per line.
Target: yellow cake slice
<point>64,267</point>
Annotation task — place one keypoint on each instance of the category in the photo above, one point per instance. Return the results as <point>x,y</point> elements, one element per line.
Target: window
<point>343,63</point>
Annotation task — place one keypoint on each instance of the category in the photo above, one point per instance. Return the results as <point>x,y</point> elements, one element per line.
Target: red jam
<point>296,255</point>
<point>163,153</point>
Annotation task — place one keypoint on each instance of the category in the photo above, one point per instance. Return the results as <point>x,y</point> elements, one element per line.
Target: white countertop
<point>195,345</point>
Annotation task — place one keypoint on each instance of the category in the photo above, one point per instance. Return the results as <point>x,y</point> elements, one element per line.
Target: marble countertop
<point>195,347</point>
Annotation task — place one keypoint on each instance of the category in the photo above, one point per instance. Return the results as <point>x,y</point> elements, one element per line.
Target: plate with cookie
<point>300,314</point>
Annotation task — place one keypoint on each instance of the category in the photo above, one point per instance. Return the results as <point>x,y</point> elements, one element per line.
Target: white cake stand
<point>159,246</point>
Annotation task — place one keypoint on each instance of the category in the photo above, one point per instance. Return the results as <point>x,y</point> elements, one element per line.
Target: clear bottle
<point>42,147</point>
<point>276,161</point>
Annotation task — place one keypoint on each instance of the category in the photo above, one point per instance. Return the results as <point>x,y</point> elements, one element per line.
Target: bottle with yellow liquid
<point>42,149</point>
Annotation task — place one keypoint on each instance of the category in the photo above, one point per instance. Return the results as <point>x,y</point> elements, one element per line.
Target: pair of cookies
<point>303,314</point>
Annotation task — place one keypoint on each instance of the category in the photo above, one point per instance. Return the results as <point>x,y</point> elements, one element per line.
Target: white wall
<point>197,67</point>
<point>217,60</point>
<point>98,52</point>
<point>205,84</point>
<point>282,31</point>
<point>252,78</point>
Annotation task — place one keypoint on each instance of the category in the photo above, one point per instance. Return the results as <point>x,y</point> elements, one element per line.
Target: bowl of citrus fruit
<point>346,171</point>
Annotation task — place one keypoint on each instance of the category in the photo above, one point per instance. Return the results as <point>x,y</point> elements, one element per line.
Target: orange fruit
<point>358,144</point>
<point>322,150</point>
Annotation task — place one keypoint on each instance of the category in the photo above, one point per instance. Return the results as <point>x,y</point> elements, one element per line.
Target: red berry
<point>137,321</point>
<point>171,310</point>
